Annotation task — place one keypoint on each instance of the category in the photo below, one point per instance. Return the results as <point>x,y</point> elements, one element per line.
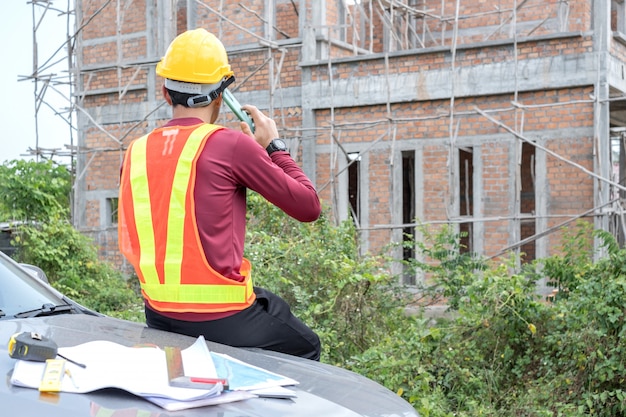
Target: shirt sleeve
<point>277,178</point>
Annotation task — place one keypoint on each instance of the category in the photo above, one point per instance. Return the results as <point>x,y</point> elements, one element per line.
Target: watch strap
<point>275,145</point>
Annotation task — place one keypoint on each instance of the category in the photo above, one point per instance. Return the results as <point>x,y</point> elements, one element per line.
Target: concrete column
<point>542,245</point>
<point>78,202</point>
<point>164,28</point>
<point>602,161</point>
<point>312,14</point>
<point>396,201</point>
<point>478,228</point>
<point>192,11</point>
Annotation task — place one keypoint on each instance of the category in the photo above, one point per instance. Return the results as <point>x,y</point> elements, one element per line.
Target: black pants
<point>267,324</point>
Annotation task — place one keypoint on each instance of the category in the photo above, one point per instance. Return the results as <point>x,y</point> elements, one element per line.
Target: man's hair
<point>179,98</point>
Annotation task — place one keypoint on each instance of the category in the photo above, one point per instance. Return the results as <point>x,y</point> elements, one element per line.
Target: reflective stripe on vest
<point>100,411</point>
<point>171,290</point>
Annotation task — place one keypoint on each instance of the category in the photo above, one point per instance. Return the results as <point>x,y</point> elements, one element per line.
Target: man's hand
<point>264,128</point>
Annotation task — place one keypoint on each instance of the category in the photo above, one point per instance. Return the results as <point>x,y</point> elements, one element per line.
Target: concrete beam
<point>481,80</point>
<point>134,112</point>
<point>616,73</point>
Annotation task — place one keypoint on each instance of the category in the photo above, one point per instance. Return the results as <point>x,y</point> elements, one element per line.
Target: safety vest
<point>157,227</point>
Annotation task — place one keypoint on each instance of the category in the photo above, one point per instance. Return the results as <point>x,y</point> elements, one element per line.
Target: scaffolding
<point>47,80</point>
<point>408,25</point>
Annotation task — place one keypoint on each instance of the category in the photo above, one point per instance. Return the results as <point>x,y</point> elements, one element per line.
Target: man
<point>182,209</point>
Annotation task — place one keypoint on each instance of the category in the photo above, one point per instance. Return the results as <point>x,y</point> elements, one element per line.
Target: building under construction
<point>503,119</point>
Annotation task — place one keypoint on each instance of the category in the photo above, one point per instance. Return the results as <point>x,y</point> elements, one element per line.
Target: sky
<point>17,108</point>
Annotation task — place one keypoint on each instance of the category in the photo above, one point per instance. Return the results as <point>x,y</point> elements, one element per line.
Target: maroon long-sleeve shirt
<point>230,163</point>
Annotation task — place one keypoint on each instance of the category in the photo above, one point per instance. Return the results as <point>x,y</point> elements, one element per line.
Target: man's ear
<point>166,95</point>
<point>214,108</point>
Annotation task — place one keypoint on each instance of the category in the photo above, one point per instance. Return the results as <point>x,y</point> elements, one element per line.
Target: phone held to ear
<point>235,107</point>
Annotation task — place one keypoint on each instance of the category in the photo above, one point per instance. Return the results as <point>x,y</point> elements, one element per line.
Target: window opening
<point>466,198</point>
<point>618,135</point>
<point>408,213</point>
<point>112,205</point>
<point>618,16</point>
<point>353,186</point>
<point>527,201</point>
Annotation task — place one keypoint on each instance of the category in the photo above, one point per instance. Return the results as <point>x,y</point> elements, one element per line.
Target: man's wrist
<point>276,145</point>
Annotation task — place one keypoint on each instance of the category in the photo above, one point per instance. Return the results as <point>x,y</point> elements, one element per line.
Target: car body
<point>323,390</point>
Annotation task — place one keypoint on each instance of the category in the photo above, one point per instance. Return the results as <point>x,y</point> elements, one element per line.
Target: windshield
<point>19,291</point>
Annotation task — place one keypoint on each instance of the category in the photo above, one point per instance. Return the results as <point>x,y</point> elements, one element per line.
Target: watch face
<point>280,144</point>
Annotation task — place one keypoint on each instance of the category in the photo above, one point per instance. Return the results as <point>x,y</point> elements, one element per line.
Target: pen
<point>208,380</point>
<point>82,365</point>
<point>68,373</point>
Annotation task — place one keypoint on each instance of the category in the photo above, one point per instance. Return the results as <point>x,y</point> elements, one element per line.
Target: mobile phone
<point>235,107</point>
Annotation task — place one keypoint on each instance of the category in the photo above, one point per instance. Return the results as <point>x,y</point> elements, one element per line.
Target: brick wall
<point>424,123</point>
<point>570,189</point>
<point>483,20</point>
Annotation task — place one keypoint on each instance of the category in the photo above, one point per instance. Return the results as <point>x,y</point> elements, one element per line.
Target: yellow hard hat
<point>195,56</point>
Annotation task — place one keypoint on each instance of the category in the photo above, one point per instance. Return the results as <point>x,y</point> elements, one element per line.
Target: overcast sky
<point>17,108</point>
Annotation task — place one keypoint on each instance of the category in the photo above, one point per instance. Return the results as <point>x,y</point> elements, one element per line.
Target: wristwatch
<point>276,145</point>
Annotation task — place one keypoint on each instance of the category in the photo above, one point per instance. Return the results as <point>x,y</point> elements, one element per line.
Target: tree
<point>34,191</point>
<point>36,198</point>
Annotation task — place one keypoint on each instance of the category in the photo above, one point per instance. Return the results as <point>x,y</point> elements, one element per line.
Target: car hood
<point>323,390</point>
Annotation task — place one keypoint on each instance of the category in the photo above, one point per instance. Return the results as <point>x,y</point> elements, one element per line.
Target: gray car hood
<point>323,390</point>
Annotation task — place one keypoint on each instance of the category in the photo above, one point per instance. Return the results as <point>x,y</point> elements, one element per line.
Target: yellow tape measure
<point>31,346</point>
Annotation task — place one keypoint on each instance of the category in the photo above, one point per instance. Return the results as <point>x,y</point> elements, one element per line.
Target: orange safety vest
<point>157,227</point>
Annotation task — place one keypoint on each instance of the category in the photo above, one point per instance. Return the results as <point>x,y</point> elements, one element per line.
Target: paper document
<point>197,360</point>
<point>274,392</point>
<point>141,371</point>
<point>246,377</point>
<point>223,398</point>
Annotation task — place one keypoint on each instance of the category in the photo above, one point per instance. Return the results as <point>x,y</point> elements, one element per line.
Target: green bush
<point>507,352</point>
<point>502,350</point>
<point>565,270</point>
<point>34,191</point>
<point>447,269</point>
<point>469,364</point>
<point>585,348</point>
<point>36,200</point>
<point>348,299</point>
<point>71,263</point>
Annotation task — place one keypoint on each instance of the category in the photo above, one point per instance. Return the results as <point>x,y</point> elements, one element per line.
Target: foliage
<point>71,263</point>
<point>402,361</point>
<point>37,194</point>
<point>471,363</point>
<point>348,299</point>
<point>34,191</point>
<point>507,352</point>
<point>448,269</point>
<point>565,270</point>
<point>500,349</point>
<point>586,345</point>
